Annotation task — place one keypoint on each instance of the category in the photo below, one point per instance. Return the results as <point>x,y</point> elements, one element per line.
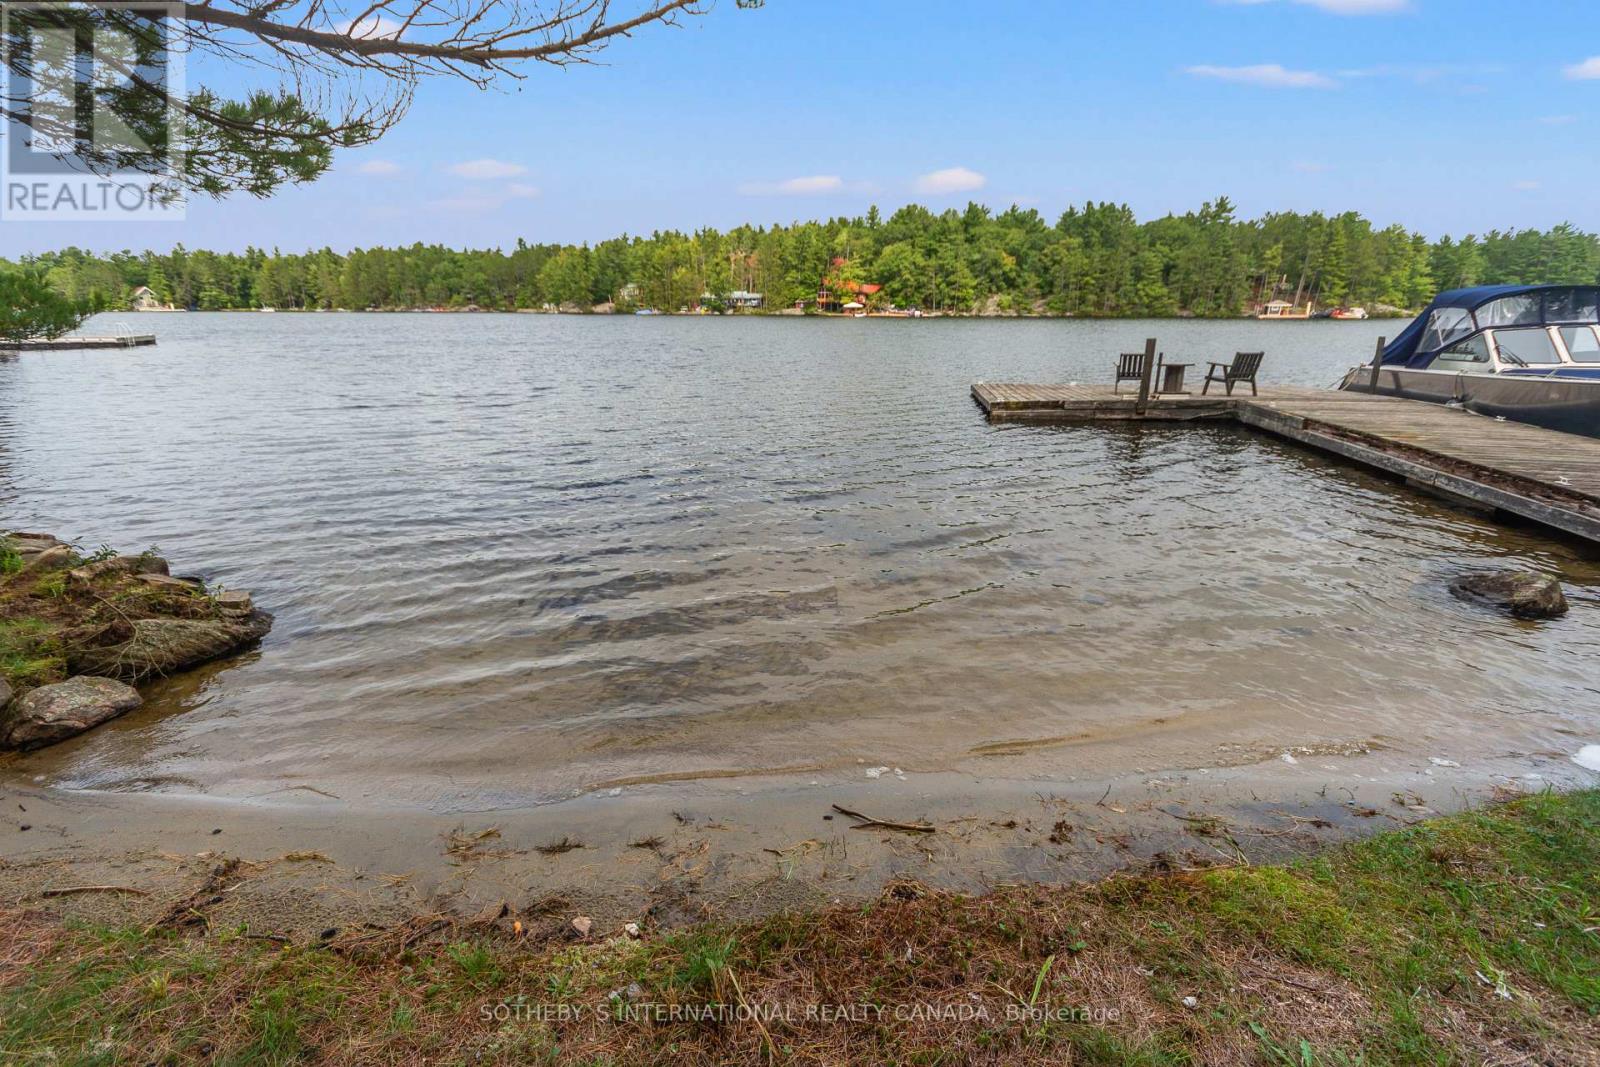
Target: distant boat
<point>1282,309</point>
<point>266,310</point>
<point>1524,352</point>
<point>1353,314</point>
<point>647,311</point>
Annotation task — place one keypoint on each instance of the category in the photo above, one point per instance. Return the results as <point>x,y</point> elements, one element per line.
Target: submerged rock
<point>164,646</point>
<point>56,712</point>
<point>1520,593</point>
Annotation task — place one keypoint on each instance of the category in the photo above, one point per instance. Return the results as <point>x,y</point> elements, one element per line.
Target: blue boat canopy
<point>1460,313</point>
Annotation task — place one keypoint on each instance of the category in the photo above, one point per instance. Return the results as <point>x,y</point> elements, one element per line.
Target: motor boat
<point>1524,352</point>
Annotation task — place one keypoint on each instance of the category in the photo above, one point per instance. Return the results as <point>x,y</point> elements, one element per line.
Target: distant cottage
<point>145,299</point>
<point>842,294</point>
<point>846,295</point>
<point>739,298</point>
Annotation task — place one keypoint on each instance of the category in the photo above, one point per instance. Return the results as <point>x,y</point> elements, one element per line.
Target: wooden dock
<point>1546,477</point>
<point>1006,402</point>
<point>64,344</point>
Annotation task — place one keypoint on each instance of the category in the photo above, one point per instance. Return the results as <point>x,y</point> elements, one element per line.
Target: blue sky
<point>1449,116</point>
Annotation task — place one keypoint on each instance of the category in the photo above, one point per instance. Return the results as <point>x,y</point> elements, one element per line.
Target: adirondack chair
<point>1244,368</point>
<point>1130,368</point>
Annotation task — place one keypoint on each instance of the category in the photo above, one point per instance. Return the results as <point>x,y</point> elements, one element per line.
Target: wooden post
<point>1377,362</point>
<point>1144,380</point>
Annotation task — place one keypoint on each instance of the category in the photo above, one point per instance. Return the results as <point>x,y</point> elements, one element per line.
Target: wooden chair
<point>1130,368</point>
<point>1244,368</point>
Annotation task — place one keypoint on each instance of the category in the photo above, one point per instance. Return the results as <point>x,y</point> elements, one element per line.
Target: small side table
<point>1172,379</point>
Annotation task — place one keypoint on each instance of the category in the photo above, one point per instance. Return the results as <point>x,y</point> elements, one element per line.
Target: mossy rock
<point>159,647</point>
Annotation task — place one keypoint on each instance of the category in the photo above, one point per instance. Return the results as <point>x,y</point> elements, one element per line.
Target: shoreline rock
<point>148,563</point>
<point>160,647</point>
<point>61,710</point>
<point>85,627</point>
<point>1521,594</point>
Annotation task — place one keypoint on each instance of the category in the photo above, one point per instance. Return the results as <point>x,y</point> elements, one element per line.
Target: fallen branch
<point>868,823</point>
<point>69,890</point>
<point>805,848</point>
<point>1210,820</point>
<point>277,939</point>
<point>189,911</point>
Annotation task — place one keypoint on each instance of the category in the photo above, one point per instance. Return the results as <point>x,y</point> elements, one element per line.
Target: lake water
<point>514,558</point>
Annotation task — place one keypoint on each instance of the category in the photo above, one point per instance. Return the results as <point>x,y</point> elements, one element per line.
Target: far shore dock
<point>64,344</point>
<point>1545,477</point>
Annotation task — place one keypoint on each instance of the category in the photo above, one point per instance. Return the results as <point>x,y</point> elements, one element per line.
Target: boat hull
<point>1571,405</point>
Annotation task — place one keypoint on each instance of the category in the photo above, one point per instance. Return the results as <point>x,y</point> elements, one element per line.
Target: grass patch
<point>1464,939</point>
<point>31,652</point>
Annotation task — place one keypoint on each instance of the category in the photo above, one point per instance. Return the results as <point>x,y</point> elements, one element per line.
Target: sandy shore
<point>678,853</point>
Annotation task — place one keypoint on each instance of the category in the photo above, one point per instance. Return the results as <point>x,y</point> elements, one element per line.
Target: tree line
<point>1095,260</point>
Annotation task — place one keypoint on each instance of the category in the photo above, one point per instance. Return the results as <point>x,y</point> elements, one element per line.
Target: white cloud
<point>812,185</point>
<point>1267,75</point>
<point>380,168</point>
<point>1346,7</point>
<point>1307,166</point>
<point>1558,120</point>
<point>1588,70</point>
<point>522,191</point>
<point>950,180</point>
<point>819,183</point>
<point>373,26</point>
<point>486,169</point>
<point>1526,186</point>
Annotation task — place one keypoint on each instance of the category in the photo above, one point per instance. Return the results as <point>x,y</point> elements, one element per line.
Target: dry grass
<point>556,848</point>
<point>1472,939</point>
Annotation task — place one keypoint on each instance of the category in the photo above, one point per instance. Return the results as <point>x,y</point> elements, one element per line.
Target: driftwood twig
<point>868,823</point>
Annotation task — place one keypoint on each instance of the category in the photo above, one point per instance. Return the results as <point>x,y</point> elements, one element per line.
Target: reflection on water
<point>517,556</point>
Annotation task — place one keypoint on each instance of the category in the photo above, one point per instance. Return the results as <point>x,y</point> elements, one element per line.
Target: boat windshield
<point>1583,343</point>
<point>1572,305</point>
<point>1510,311</point>
<point>1526,348</point>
